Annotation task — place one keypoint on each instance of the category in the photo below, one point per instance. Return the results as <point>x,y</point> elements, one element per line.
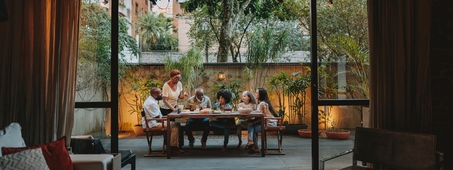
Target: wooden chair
<point>279,130</point>
<point>151,131</point>
<point>389,149</point>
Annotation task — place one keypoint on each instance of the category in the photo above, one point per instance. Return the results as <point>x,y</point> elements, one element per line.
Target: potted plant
<point>190,64</point>
<point>296,91</point>
<point>335,133</point>
<point>139,88</point>
<point>278,84</point>
<point>329,125</point>
<point>306,133</point>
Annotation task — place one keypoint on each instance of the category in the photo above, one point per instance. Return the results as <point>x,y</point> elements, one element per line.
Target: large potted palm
<point>296,90</point>
<point>278,83</point>
<point>139,88</point>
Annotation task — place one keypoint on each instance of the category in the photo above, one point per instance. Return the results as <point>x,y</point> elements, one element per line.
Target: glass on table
<point>197,108</point>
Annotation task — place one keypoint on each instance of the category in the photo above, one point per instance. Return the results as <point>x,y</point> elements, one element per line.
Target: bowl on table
<point>245,110</point>
<point>227,110</point>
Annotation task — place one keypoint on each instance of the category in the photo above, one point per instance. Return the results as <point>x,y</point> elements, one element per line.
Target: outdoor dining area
<point>376,70</point>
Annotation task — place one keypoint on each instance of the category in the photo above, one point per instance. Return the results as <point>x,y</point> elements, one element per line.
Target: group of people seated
<point>172,91</point>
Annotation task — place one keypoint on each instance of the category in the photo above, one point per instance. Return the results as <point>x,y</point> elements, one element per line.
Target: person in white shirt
<point>151,109</point>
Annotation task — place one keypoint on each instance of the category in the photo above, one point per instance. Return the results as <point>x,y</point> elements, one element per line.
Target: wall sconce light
<point>221,76</point>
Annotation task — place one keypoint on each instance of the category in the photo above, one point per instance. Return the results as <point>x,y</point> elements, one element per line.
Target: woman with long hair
<point>266,108</point>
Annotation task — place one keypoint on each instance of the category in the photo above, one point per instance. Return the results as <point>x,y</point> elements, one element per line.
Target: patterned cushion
<point>11,136</point>
<point>27,159</point>
<point>55,153</point>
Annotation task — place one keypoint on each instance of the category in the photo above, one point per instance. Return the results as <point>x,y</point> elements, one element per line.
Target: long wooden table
<point>173,116</point>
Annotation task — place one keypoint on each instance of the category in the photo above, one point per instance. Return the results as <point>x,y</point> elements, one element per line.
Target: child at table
<point>224,98</point>
<point>248,102</point>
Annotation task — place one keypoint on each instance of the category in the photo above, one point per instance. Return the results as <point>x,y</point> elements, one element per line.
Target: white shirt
<point>263,107</point>
<point>250,105</point>
<point>172,95</point>
<point>152,110</point>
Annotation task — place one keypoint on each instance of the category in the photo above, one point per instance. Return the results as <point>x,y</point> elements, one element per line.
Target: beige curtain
<point>399,57</point>
<point>38,57</point>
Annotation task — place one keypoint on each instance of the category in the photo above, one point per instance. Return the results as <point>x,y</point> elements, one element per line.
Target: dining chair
<point>151,131</point>
<point>279,129</point>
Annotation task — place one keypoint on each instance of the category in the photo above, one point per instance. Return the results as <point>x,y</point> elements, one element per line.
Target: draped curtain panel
<point>399,33</point>
<point>38,58</point>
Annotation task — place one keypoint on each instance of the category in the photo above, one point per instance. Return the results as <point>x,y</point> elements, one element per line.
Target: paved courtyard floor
<point>297,154</point>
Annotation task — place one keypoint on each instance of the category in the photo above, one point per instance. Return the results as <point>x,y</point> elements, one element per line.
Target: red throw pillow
<point>55,153</point>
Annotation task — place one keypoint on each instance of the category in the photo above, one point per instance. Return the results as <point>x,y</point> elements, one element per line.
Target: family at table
<point>172,91</point>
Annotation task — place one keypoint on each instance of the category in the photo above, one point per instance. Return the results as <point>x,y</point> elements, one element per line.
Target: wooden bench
<point>392,149</point>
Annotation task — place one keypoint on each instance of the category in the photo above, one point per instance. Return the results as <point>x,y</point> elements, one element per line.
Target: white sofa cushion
<point>92,161</point>
<point>31,159</point>
<point>11,136</point>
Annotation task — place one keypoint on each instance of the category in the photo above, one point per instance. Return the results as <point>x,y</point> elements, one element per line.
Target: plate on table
<point>216,112</point>
<point>255,112</point>
<point>205,111</point>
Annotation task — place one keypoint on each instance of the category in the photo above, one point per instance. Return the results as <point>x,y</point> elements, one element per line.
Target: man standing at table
<point>152,110</point>
<point>198,101</point>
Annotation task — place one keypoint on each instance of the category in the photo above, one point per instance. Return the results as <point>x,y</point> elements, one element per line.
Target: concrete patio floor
<point>297,154</point>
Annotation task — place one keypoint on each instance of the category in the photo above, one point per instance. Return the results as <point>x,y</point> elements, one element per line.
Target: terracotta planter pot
<point>138,130</point>
<point>338,134</point>
<point>306,133</point>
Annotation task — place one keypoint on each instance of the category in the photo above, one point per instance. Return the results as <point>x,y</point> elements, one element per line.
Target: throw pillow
<point>27,159</point>
<point>11,136</point>
<point>55,152</point>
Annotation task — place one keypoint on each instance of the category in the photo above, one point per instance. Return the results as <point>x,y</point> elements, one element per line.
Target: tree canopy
<point>94,47</point>
<point>229,21</point>
<point>156,32</point>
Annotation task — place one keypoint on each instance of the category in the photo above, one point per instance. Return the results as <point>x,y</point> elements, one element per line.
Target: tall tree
<point>156,31</point>
<point>223,17</point>
<point>93,68</point>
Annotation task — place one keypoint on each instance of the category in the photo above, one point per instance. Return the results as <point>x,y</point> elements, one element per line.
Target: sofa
<point>49,156</point>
